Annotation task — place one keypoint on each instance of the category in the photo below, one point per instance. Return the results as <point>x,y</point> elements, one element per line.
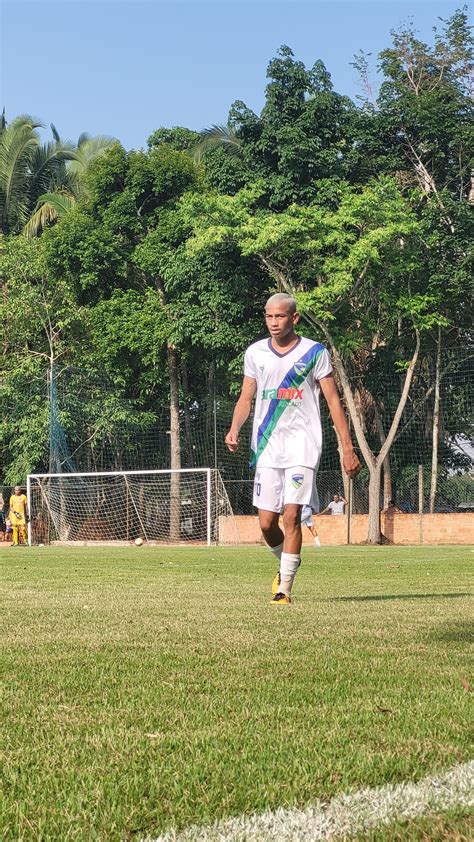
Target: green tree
<point>40,181</point>
<point>354,271</point>
<point>67,191</point>
<point>28,169</point>
<point>41,326</point>
<point>124,249</point>
<point>303,134</point>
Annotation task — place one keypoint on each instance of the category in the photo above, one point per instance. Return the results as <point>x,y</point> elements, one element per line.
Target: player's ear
<point>296,318</point>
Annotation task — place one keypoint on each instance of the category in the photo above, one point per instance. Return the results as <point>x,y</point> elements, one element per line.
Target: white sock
<point>317,541</point>
<point>288,566</point>
<point>276,550</point>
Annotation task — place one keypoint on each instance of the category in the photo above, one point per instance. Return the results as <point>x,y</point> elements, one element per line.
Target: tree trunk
<point>387,471</point>
<point>374,533</point>
<point>211,388</point>
<point>187,417</point>
<point>175,447</point>
<point>345,478</point>
<point>435,434</point>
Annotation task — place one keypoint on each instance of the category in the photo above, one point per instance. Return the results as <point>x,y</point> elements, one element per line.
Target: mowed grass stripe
<point>153,689</point>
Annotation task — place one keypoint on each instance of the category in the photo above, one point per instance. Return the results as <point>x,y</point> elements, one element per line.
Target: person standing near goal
<point>18,515</point>
<point>285,374</point>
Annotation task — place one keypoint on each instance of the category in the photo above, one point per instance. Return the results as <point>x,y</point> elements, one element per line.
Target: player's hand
<point>232,441</point>
<point>351,462</point>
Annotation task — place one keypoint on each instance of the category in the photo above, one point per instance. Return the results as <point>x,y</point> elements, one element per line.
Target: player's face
<point>280,321</point>
<point>17,489</point>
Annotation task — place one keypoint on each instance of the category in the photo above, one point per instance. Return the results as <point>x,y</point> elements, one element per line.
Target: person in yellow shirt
<point>18,514</point>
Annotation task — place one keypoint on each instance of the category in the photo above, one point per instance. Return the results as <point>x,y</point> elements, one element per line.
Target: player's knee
<point>292,519</point>
<point>268,522</point>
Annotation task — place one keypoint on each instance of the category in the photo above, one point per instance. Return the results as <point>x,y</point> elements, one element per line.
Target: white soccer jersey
<point>287,421</point>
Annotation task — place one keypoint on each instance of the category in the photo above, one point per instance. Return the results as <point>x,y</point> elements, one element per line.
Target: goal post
<point>123,506</point>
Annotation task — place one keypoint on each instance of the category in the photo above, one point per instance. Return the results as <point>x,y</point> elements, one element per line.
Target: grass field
<point>146,690</point>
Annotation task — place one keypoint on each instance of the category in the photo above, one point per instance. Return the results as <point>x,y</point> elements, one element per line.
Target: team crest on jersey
<point>297,480</point>
<point>300,367</point>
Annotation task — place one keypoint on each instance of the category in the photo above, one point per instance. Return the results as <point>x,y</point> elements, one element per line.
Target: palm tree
<point>27,168</point>
<point>214,137</point>
<point>39,181</point>
<point>54,204</point>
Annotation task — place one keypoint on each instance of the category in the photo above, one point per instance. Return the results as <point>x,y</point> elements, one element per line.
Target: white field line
<point>346,815</point>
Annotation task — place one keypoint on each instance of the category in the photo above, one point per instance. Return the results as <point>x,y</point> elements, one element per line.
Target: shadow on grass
<point>456,631</point>
<point>382,597</point>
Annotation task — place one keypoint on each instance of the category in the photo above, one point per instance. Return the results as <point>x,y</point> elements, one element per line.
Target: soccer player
<point>18,515</point>
<point>307,520</point>
<point>285,373</point>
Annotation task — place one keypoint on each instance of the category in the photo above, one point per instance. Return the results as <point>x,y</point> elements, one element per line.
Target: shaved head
<point>282,298</point>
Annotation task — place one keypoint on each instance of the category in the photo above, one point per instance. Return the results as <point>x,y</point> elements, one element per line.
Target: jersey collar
<point>285,352</point>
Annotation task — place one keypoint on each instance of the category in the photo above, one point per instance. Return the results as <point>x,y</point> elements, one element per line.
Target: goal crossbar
<point>121,473</point>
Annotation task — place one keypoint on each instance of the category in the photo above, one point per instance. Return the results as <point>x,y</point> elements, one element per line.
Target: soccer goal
<point>163,506</point>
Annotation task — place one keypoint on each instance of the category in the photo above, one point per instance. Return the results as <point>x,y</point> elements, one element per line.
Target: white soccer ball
<point>138,542</point>
<point>40,545</point>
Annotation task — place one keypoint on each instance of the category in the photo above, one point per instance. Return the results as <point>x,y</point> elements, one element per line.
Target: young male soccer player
<point>285,374</point>
<point>18,514</point>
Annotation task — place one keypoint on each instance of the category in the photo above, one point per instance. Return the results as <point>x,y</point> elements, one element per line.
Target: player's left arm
<point>349,457</point>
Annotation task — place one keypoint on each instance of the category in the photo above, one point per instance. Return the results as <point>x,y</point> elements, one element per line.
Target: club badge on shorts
<point>297,480</point>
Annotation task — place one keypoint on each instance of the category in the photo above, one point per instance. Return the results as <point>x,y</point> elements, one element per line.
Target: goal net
<point>163,506</point>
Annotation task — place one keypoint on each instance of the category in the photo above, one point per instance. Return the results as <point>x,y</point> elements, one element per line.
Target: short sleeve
<point>250,369</point>
<point>323,365</point>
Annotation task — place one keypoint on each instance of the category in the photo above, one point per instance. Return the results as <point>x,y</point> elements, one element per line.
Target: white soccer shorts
<point>275,487</point>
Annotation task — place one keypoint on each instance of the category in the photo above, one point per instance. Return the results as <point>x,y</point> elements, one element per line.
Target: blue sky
<point>124,67</point>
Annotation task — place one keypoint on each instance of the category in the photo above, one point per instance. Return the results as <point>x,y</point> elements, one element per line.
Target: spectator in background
<point>336,506</point>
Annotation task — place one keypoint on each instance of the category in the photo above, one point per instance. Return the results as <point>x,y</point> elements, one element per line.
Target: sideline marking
<point>346,814</point>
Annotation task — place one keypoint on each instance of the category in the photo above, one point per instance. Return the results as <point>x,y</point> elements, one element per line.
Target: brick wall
<point>456,528</point>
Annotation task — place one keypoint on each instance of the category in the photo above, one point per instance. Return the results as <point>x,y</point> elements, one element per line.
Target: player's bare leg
<point>292,525</point>
<point>291,555</point>
<point>274,537</point>
<point>314,533</point>
<point>270,526</point>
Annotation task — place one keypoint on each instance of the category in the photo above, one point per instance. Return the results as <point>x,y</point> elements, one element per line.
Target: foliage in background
<point>147,290</point>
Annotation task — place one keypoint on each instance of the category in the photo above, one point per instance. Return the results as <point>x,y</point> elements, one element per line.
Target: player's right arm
<point>242,411</point>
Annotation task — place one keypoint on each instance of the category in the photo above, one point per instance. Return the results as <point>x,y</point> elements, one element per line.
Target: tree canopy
<point>152,268</point>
